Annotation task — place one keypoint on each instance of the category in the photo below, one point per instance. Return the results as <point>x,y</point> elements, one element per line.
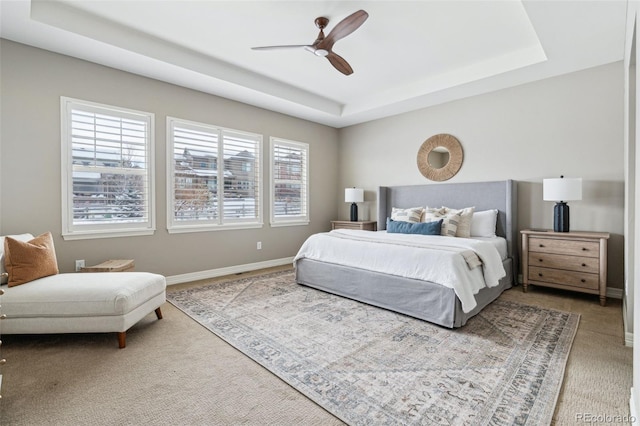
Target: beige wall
<point>570,125</point>
<point>32,81</point>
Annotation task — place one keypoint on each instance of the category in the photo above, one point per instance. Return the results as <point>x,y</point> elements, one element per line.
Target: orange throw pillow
<point>28,261</point>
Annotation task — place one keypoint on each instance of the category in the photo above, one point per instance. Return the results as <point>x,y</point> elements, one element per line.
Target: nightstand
<point>366,225</point>
<point>567,260</point>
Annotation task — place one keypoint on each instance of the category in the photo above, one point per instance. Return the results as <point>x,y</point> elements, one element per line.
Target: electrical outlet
<point>259,245</point>
<point>79,265</point>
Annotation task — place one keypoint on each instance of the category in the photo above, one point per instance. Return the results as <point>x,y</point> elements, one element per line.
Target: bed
<point>420,298</point>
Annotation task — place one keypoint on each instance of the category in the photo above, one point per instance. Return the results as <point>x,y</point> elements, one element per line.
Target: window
<point>289,182</point>
<point>214,179</point>
<point>107,171</point>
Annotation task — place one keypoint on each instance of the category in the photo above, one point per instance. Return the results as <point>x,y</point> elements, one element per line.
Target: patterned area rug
<point>367,365</point>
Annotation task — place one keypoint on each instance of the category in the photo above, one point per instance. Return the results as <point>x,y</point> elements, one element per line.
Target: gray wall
<point>570,125</point>
<point>32,81</point>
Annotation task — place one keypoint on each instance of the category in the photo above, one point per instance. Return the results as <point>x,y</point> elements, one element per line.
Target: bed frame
<point>423,299</point>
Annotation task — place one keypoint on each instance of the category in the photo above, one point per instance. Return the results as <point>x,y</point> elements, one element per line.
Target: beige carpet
<point>174,371</point>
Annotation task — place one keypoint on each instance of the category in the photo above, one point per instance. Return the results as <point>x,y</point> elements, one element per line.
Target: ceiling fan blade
<point>343,29</point>
<point>285,46</point>
<point>339,63</point>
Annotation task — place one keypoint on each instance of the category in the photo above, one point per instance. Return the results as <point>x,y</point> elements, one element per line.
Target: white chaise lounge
<point>82,303</point>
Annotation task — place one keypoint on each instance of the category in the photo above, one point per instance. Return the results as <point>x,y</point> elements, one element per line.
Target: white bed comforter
<point>411,256</point>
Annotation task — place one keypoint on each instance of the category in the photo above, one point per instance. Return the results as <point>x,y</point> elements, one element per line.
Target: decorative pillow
<point>407,215</point>
<point>466,215</point>
<point>449,220</point>
<point>19,237</point>
<point>483,223</point>
<point>30,260</point>
<point>401,227</point>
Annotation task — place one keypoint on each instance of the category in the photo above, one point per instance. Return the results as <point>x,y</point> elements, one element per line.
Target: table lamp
<point>561,190</point>
<point>353,196</point>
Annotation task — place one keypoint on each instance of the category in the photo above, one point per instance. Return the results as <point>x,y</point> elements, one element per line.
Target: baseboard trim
<point>230,270</point>
<point>628,337</point>
<point>614,293</point>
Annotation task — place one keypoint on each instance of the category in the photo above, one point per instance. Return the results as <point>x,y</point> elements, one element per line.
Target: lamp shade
<point>562,189</point>
<point>353,195</point>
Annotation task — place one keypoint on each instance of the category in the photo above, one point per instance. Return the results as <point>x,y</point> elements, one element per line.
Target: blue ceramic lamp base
<point>354,212</point>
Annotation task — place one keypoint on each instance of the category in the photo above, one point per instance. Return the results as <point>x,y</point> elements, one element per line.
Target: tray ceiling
<point>407,55</point>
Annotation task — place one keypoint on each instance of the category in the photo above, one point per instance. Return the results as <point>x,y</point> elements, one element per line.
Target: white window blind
<point>205,192</point>
<point>289,182</point>
<point>107,158</point>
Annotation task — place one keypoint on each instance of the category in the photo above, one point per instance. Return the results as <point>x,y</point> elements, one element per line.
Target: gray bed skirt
<point>420,299</point>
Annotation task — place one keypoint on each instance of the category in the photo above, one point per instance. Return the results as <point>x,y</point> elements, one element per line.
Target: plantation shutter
<point>195,173</point>
<point>215,178</point>
<point>108,169</point>
<point>242,176</point>
<point>290,181</point>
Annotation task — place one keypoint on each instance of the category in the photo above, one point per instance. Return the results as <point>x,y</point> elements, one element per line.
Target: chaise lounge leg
<point>122,335</point>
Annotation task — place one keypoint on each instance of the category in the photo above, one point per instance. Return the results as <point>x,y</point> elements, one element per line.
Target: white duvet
<point>411,256</point>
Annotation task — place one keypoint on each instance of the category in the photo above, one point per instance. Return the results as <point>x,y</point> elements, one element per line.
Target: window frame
<point>73,231</point>
<point>219,224</point>
<point>299,220</point>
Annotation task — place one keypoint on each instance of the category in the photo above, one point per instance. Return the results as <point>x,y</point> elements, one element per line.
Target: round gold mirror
<point>440,157</point>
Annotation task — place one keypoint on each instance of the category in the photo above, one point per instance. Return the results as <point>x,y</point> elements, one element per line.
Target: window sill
<point>185,229</point>
<point>105,234</point>
<point>291,223</point>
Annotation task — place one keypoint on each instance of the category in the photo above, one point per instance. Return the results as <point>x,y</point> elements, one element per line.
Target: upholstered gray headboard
<point>501,195</point>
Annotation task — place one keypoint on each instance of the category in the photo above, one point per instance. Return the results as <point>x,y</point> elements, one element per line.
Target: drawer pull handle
<point>539,260</point>
<point>583,280</point>
<point>584,264</point>
<point>539,275</point>
<point>584,249</point>
<point>541,245</point>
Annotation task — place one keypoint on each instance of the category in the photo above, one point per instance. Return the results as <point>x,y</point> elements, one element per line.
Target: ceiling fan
<point>322,45</point>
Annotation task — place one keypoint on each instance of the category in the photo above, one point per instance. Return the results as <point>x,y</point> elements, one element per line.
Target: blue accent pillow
<point>423,228</point>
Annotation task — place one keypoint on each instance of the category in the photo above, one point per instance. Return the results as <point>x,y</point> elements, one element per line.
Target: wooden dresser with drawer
<point>567,260</point>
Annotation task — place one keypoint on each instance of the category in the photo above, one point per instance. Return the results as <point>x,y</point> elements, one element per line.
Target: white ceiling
<point>407,55</point>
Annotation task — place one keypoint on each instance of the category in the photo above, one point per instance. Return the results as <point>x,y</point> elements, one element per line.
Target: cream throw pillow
<point>450,221</point>
<point>484,223</point>
<point>28,261</point>
<point>407,215</point>
<point>466,216</point>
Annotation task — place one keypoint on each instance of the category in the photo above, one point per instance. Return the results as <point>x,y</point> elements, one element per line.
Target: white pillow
<point>483,224</point>
<point>407,215</point>
<point>466,216</point>
<point>19,237</point>
<point>450,220</point>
